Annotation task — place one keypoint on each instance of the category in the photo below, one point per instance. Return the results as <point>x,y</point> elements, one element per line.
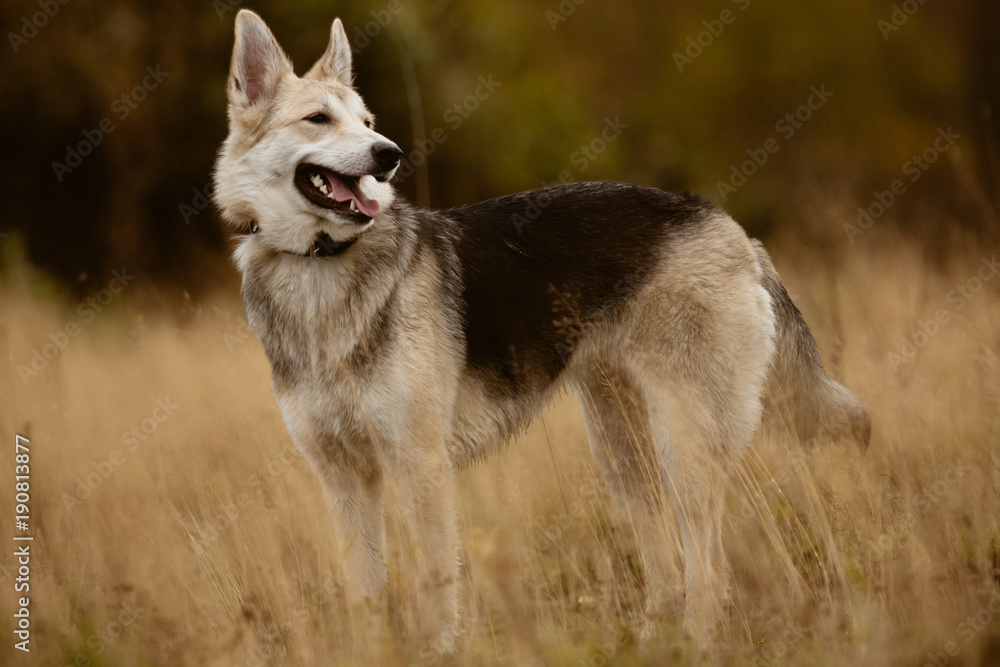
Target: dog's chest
<point>303,329</point>
<point>312,352</point>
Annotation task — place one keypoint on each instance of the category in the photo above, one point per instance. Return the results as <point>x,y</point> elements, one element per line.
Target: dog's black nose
<point>386,154</point>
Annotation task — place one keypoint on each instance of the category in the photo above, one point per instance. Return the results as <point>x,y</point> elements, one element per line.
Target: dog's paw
<point>445,644</point>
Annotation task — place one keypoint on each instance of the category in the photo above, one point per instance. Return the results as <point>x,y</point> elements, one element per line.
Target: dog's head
<point>302,157</point>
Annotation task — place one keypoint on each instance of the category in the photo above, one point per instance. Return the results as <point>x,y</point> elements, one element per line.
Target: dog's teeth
<point>320,184</point>
<point>354,206</point>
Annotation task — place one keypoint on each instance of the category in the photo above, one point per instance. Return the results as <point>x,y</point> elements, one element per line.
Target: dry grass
<point>210,543</point>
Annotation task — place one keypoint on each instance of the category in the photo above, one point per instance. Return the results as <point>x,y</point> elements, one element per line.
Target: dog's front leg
<point>425,477</point>
<point>356,501</point>
<point>352,479</point>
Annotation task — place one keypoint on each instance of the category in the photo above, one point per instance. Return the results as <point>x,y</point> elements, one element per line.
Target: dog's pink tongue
<point>369,207</point>
<point>343,192</point>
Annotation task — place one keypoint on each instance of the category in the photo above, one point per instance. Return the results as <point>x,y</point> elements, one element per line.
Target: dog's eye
<point>318,118</point>
<point>369,124</point>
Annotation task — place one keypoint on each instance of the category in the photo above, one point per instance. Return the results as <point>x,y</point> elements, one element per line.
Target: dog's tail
<point>798,394</point>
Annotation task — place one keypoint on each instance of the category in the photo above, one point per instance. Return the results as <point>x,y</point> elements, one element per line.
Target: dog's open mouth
<point>335,192</point>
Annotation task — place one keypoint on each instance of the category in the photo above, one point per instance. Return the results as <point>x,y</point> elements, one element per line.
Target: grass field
<point>175,524</point>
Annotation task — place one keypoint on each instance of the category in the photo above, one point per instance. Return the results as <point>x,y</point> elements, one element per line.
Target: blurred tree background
<point>681,92</point>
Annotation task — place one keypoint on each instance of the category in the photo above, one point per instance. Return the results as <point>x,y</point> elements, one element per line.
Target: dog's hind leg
<point>698,343</point>
<point>696,476</point>
<point>703,388</point>
<point>621,442</point>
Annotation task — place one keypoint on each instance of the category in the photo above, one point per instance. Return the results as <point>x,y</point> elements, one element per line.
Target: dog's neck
<point>323,246</point>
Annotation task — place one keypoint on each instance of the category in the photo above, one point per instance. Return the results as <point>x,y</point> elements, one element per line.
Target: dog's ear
<point>258,62</point>
<point>335,64</point>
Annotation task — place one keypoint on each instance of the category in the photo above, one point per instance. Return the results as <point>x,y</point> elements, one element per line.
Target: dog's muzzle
<point>387,157</point>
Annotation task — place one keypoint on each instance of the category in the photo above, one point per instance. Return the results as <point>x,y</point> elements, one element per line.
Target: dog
<point>408,343</point>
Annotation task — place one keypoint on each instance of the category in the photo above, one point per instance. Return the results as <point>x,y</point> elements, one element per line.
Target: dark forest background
<point>565,71</point>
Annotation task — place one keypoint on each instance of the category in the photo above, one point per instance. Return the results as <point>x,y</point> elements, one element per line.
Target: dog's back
<point>533,286</point>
